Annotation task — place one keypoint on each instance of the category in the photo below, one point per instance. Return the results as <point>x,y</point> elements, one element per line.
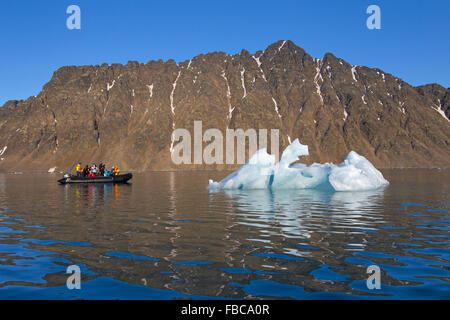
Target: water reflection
<point>3,197</point>
<point>299,213</point>
<point>167,232</point>
<point>92,196</point>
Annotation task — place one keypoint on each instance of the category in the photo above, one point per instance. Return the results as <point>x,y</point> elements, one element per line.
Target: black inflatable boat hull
<point>122,178</point>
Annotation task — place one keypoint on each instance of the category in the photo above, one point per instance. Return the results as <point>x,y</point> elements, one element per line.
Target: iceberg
<point>356,173</point>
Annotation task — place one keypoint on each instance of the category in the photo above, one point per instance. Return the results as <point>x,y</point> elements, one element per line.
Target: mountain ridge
<point>125,114</point>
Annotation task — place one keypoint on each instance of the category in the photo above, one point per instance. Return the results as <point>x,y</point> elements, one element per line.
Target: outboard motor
<point>66,175</point>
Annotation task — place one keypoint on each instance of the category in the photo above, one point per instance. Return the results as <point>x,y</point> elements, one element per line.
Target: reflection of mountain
<point>125,114</point>
<point>3,195</point>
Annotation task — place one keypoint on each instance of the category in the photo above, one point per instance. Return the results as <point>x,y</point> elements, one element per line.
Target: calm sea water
<point>166,237</point>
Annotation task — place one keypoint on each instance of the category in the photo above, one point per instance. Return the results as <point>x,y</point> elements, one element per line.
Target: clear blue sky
<point>34,41</point>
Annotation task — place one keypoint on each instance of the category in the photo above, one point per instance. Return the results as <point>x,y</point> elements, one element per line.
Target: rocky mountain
<point>125,114</point>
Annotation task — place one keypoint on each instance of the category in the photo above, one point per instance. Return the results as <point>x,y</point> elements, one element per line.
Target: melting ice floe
<point>356,173</point>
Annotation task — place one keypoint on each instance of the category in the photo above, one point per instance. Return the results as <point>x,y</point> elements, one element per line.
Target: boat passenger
<point>101,169</point>
<point>94,170</point>
<point>78,169</point>
<point>116,171</point>
<point>86,171</point>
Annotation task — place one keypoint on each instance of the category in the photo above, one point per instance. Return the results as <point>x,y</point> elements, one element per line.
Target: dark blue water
<point>166,237</point>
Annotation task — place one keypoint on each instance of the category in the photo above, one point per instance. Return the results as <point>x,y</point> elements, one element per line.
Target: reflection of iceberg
<point>356,173</point>
<point>298,213</point>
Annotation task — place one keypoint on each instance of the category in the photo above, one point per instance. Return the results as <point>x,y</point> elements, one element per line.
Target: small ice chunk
<point>356,173</point>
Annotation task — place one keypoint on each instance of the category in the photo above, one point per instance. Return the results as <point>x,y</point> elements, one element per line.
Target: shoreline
<point>199,170</point>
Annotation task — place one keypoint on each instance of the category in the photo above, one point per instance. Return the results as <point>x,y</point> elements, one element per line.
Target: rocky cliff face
<point>125,114</point>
